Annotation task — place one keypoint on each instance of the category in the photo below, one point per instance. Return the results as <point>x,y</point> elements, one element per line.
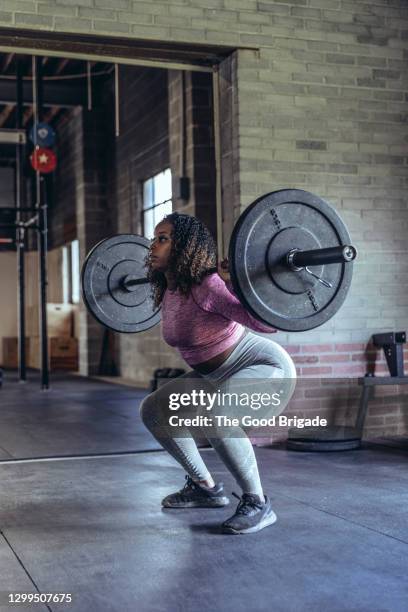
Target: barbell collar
<point>297,260</point>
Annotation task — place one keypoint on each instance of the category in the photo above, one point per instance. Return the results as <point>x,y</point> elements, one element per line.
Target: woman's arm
<point>214,295</point>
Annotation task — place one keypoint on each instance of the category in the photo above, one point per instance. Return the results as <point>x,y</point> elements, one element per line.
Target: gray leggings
<point>255,357</point>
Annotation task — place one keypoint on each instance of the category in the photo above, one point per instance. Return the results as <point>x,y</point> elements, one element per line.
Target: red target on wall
<point>43,160</point>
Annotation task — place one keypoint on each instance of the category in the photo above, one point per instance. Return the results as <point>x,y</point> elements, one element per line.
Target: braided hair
<point>192,257</point>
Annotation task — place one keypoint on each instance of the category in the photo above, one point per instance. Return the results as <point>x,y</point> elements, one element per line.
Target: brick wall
<point>320,104</point>
<point>140,151</point>
<point>93,221</point>
<point>200,161</point>
<point>149,141</point>
<point>99,179</point>
<point>195,158</point>
<point>61,211</point>
<point>328,385</point>
<point>79,208</point>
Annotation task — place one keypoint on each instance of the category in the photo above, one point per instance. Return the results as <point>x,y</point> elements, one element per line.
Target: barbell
<point>274,244</point>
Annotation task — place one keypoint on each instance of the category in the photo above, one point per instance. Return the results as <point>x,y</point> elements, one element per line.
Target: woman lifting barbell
<point>205,321</point>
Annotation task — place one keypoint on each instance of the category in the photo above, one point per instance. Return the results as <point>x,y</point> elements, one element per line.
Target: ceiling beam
<point>12,136</point>
<point>115,49</point>
<point>61,66</point>
<point>27,115</point>
<point>53,112</point>
<point>5,114</point>
<point>6,62</point>
<point>66,94</point>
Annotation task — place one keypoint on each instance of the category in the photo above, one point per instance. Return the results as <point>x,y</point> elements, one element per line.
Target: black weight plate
<point>265,232</point>
<point>105,267</point>
<point>323,446</point>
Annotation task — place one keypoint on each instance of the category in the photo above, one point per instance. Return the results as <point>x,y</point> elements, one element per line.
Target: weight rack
<point>38,222</point>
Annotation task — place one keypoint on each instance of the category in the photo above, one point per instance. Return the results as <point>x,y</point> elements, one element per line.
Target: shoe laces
<point>190,484</point>
<point>247,503</point>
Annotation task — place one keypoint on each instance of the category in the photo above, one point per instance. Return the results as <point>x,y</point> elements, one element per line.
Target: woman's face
<point>161,245</point>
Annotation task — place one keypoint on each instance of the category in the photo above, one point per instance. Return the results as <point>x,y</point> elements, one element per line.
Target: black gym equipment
<point>338,438</point>
<point>335,438</point>
<point>21,224</point>
<point>273,246</point>
<point>393,350</point>
<point>392,344</point>
<point>114,284</point>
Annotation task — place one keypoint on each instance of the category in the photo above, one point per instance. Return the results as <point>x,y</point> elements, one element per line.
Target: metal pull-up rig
<point>37,222</point>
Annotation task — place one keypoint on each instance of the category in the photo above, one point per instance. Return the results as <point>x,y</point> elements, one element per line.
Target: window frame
<point>67,274</point>
<point>157,204</point>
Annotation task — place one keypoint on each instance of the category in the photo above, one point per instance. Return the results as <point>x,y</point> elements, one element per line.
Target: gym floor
<point>80,490</point>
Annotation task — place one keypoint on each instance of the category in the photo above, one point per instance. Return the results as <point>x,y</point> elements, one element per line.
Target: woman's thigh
<point>172,389</point>
<point>259,390</point>
<point>259,378</point>
<point>181,398</point>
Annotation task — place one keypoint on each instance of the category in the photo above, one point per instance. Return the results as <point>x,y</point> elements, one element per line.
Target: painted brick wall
<point>92,219</point>
<point>142,148</point>
<point>79,206</point>
<point>328,384</point>
<point>198,149</point>
<point>61,212</point>
<point>322,105</point>
<point>100,177</point>
<point>150,141</point>
<point>140,151</point>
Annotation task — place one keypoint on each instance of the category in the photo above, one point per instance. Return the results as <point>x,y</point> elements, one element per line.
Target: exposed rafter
<point>61,66</point>
<point>63,89</point>
<point>51,114</point>
<point>8,58</point>
<point>5,114</point>
<point>27,115</point>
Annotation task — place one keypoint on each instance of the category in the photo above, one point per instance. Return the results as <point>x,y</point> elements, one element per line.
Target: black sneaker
<point>250,516</point>
<point>192,495</point>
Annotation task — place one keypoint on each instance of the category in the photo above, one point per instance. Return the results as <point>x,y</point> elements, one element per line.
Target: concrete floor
<point>75,416</point>
<point>93,526</point>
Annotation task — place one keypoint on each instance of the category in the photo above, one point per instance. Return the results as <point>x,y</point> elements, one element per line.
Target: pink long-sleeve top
<point>207,322</point>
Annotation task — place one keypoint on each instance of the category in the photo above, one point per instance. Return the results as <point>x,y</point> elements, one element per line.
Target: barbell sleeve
<point>131,283</point>
<point>319,257</point>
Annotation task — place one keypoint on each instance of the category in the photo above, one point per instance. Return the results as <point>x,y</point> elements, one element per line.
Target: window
<point>70,273</point>
<point>75,291</point>
<point>156,200</point>
<point>65,275</point>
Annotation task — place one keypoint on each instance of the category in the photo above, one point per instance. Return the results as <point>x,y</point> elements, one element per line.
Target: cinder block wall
<point>140,151</point>
<point>321,104</point>
<point>79,209</point>
<point>100,179</point>
<point>149,141</point>
<point>61,212</point>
